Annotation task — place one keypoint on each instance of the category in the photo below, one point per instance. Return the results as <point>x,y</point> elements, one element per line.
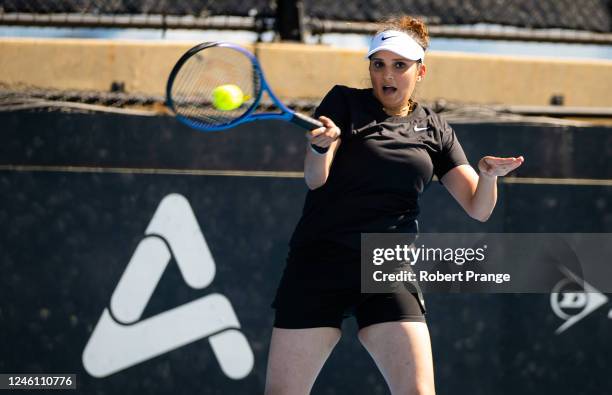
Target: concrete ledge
<point>297,71</point>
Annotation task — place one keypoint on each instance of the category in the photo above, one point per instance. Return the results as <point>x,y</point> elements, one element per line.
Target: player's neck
<point>399,111</point>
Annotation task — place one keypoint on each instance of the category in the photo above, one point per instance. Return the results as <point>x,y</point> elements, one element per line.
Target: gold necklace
<point>402,111</point>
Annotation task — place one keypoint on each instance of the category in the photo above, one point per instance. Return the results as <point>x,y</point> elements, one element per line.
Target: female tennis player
<point>383,150</point>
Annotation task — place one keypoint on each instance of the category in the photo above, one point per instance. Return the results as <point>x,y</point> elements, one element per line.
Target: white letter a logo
<point>120,340</point>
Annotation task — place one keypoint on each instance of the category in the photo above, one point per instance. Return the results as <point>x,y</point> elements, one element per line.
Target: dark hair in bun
<point>414,27</point>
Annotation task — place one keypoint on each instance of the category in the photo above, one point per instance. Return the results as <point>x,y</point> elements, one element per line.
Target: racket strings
<point>192,89</point>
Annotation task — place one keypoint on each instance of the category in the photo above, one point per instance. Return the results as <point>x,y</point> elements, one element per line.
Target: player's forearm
<point>316,166</point>
<point>485,197</point>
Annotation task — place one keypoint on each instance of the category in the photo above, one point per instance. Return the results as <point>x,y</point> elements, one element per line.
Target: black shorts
<point>321,286</point>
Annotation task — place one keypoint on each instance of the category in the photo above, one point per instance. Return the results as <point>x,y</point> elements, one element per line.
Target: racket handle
<point>309,123</point>
<point>305,121</point>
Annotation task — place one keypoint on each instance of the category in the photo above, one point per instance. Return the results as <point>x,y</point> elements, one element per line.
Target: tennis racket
<point>189,92</point>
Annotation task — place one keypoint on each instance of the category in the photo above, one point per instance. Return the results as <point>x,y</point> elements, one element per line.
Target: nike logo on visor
<point>384,38</point>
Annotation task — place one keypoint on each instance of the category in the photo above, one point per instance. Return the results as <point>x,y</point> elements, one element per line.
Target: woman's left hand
<point>493,166</point>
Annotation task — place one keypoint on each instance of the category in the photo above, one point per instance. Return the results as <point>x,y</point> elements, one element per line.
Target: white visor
<point>397,42</point>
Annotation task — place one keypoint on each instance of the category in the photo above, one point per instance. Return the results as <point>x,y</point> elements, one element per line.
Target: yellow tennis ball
<point>227,97</point>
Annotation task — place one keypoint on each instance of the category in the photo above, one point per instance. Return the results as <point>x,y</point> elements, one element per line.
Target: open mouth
<point>388,90</point>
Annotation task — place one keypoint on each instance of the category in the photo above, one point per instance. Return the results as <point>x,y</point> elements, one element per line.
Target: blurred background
<point>91,162</point>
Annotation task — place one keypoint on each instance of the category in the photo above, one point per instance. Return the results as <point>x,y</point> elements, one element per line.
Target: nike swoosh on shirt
<point>416,129</point>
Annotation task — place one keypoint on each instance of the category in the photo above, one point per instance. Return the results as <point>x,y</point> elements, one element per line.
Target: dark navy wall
<point>69,231</point>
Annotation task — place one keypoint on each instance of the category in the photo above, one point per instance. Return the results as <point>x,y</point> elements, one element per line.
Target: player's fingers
<point>492,165</point>
<point>514,166</point>
<point>333,133</point>
<point>315,132</point>
<point>320,138</point>
<point>503,170</point>
<point>497,161</point>
<point>505,160</point>
<point>328,123</point>
<point>322,145</point>
<point>508,165</point>
<point>323,141</point>
<point>500,169</point>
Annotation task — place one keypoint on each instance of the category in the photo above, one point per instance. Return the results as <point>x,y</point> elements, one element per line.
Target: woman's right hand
<point>317,165</point>
<point>323,137</point>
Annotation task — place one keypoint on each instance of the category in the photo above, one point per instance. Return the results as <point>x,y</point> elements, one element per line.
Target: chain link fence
<point>584,15</point>
<point>590,15</point>
<point>250,15</point>
<point>135,7</point>
<point>584,21</point>
<point>561,21</point>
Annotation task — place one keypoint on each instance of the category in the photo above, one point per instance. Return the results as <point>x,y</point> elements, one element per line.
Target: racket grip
<point>305,121</point>
<point>309,123</point>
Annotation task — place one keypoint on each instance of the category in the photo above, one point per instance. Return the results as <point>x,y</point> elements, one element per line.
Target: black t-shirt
<point>382,166</point>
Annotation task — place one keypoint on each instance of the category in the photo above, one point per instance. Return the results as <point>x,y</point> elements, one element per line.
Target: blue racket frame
<point>285,115</point>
